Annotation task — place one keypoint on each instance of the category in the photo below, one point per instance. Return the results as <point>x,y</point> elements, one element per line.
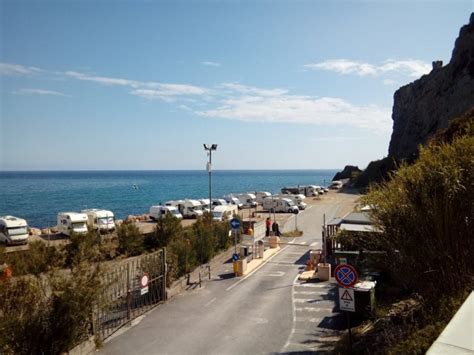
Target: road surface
<point>266,312</point>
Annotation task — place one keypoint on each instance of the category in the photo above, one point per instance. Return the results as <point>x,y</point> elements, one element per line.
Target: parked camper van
<point>297,199</point>
<point>260,195</point>
<point>205,205</point>
<point>231,200</point>
<point>218,202</point>
<point>310,190</point>
<point>13,230</point>
<point>157,212</point>
<point>247,199</point>
<point>188,208</point>
<point>279,204</point>
<point>69,222</point>
<point>101,220</point>
<point>221,212</point>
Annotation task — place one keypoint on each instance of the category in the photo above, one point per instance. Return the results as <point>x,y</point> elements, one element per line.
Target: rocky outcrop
<point>428,104</point>
<point>348,172</point>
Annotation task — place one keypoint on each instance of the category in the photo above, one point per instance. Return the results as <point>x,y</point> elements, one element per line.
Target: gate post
<point>165,275</point>
<point>129,294</point>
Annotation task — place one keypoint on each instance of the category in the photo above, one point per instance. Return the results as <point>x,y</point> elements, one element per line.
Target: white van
<point>231,200</point>
<point>218,202</point>
<point>221,212</point>
<point>188,208</point>
<point>157,212</point>
<point>297,199</point>
<point>260,195</point>
<point>101,220</point>
<point>279,204</point>
<point>248,199</point>
<point>205,205</point>
<point>13,230</point>
<point>72,222</point>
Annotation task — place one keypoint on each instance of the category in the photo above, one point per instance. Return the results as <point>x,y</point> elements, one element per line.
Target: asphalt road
<point>267,312</point>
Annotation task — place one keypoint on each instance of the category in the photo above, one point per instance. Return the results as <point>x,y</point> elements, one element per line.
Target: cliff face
<point>426,105</point>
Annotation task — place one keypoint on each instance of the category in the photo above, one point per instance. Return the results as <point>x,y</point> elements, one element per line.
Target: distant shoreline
<point>161,170</point>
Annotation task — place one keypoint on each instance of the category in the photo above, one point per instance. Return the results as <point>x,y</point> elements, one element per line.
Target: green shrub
<point>167,228</point>
<point>205,240</point>
<point>130,240</point>
<point>426,215</point>
<point>84,247</point>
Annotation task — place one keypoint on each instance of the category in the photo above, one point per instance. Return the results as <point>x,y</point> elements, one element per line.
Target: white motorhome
<point>157,212</point>
<point>72,222</point>
<point>279,204</point>
<point>221,212</point>
<point>247,199</point>
<point>218,202</point>
<point>205,205</point>
<point>260,195</point>
<point>297,199</point>
<point>188,208</point>
<point>13,230</point>
<point>231,200</point>
<point>101,220</point>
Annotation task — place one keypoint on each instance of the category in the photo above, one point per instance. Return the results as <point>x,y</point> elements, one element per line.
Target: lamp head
<point>214,147</point>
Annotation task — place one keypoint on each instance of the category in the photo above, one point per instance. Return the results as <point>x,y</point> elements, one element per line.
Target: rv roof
<point>11,221</point>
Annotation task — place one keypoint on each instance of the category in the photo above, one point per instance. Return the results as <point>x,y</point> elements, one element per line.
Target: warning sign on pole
<point>346,299</point>
<point>144,283</point>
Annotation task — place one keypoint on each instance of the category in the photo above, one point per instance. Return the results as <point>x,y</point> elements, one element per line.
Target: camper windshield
<point>78,225</point>
<point>17,231</point>
<point>217,214</point>
<point>106,220</point>
<point>291,203</point>
<point>175,212</point>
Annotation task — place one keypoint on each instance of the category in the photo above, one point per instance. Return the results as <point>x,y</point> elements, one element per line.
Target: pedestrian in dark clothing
<point>268,224</point>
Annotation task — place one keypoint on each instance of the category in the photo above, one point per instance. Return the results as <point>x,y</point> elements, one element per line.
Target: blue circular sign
<point>345,275</point>
<point>235,223</point>
<point>235,257</point>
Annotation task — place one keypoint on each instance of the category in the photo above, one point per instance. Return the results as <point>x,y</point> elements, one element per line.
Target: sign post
<point>346,276</point>
<point>235,225</point>
<point>144,283</point>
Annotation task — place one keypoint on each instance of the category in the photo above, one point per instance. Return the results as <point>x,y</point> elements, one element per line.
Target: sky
<point>125,85</point>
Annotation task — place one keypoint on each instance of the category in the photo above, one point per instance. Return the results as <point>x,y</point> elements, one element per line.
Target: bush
<point>130,240</point>
<point>84,247</point>
<point>426,215</point>
<point>167,229</point>
<point>205,240</point>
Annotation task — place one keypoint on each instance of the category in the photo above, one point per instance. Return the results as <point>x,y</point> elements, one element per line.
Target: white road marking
<point>310,292</point>
<point>208,303</point>
<point>313,244</point>
<point>311,320</point>
<point>308,309</point>
<point>250,274</point>
<point>293,309</point>
<point>276,274</point>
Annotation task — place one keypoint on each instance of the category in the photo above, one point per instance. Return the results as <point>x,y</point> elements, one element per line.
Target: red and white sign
<point>144,283</point>
<point>346,275</point>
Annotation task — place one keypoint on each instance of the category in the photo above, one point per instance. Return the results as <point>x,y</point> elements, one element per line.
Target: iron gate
<point>124,298</point>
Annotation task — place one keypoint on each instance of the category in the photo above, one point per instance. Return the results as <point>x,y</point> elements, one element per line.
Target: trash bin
<point>324,271</point>
<point>364,294</point>
<point>261,249</point>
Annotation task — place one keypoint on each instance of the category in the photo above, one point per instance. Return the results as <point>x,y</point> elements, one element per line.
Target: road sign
<point>144,283</point>
<point>235,257</point>
<point>346,299</point>
<point>235,223</point>
<point>346,275</point>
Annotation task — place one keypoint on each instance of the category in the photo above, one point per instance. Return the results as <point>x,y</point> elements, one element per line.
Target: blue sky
<point>276,84</point>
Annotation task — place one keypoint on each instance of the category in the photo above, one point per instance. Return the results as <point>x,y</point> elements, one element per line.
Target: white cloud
<point>17,69</point>
<point>299,109</point>
<point>102,79</point>
<point>389,82</point>
<point>410,67</point>
<point>39,92</point>
<point>244,89</point>
<point>337,139</point>
<point>211,64</point>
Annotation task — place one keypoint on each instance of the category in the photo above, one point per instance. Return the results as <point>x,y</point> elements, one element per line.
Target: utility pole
<point>209,148</point>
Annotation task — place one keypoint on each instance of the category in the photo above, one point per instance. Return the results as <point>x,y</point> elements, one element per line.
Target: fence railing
<point>125,297</point>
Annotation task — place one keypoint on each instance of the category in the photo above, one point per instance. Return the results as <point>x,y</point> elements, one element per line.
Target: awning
<point>358,227</point>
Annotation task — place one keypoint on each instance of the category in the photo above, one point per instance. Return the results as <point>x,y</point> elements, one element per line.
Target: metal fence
<point>125,298</point>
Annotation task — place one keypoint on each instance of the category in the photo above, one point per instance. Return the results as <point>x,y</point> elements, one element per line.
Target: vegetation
<point>48,310</point>
<point>425,214</point>
<point>130,240</point>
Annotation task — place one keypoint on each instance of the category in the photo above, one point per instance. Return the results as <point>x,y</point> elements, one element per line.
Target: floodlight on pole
<point>209,148</point>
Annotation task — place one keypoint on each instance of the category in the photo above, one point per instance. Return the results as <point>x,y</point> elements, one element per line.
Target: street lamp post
<point>209,148</point>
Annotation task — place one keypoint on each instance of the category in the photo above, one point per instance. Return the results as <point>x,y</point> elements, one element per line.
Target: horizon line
<point>131,170</point>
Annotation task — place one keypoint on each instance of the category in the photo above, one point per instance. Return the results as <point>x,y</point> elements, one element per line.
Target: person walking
<point>268,224</point>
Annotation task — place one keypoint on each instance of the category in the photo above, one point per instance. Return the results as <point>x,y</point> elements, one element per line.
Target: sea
<point>38,196</point>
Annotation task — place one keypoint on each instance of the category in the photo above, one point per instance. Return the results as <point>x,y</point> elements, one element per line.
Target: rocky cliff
<point>429,103</point>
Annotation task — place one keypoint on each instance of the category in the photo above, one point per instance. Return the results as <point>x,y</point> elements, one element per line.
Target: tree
<point>167,228</point>
<point>131,241</point>
<point>426,214</point>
